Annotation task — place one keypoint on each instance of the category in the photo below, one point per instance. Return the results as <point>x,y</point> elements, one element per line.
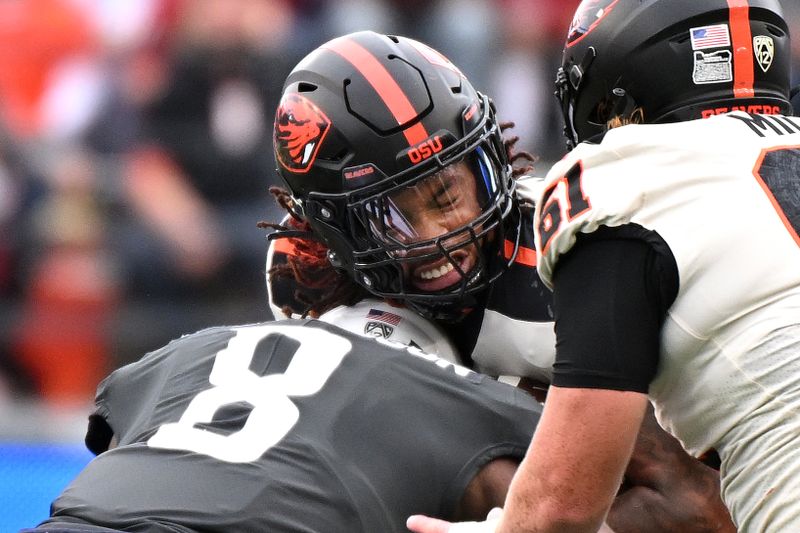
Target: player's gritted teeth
<point>438,275</point>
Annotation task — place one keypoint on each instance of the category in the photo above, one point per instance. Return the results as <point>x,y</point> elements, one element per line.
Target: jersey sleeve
<point>99,431</point>
<point>616,276</point>
<point>611,296</point>
<point>589,188</point>
<point>98,434</point>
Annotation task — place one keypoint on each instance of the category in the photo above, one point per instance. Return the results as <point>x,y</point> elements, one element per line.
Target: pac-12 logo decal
<point>764,48</point>
<point>378,329</point>
<point>300,128</point>
<point>587,17</point>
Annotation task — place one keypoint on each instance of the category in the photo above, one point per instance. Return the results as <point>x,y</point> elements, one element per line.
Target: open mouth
<point>441,274</point>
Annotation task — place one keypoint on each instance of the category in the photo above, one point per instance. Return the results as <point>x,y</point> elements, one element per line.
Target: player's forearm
<point>575,463</point>
<point>530,509</point>
<point>553,521</point>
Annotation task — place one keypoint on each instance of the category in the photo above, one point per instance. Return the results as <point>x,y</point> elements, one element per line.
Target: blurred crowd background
<point>136,157</point>
<point>135,160</point>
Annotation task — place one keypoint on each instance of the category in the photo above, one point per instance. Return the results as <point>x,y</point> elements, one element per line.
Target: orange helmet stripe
<point>742,41</point>
<point>384,84</point>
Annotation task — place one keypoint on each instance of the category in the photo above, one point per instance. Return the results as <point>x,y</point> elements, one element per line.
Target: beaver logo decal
<point>300,128</point>
<point>587,16</point>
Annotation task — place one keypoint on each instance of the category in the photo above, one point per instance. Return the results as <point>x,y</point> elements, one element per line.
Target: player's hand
<point>426,524</point>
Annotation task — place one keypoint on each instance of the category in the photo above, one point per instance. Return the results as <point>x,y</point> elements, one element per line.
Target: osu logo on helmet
<point>300,128</point>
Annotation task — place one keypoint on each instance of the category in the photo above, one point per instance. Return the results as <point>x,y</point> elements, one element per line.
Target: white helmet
<point>375,318</point>
<point>277,312</point>
<point>282,290</point>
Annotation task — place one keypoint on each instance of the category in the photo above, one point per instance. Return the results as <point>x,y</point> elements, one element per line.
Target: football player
<point>296,426</point>
<point>371,128</point>
<point>400,184</point>
<point>673,250</point>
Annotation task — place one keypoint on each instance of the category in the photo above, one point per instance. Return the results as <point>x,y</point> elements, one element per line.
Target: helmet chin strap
<point>568,81</point>
<point>448,311</point>
<point>562,94</point>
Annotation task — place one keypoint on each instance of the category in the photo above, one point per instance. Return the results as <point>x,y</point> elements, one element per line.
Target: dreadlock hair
<point>515,155</point>
<point>317,286</point>
<point>636,117</point>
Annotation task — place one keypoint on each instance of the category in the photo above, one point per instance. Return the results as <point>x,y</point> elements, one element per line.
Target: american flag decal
<point>383,316</point>
<point>716,36</point>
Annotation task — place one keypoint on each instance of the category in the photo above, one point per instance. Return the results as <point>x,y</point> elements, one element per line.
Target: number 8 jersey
<point>721,198</point>
<point>289,426</point>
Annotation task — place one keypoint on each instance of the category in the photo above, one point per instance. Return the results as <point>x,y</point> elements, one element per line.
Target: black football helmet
<point>363,120</point>
<point>675,59</point>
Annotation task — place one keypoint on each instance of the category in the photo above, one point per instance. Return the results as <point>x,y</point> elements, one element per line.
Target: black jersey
<point>294,426</point>
<point>512,332</point>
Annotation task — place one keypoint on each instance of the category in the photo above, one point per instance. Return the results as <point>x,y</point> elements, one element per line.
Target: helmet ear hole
<point>305,87</point>
<point>325,210</point>
<point>602,112</point>
<point>617,107</point>
<point>333,259</point>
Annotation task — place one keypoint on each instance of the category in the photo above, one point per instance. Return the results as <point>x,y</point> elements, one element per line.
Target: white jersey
<point>724,194</point>
<point>516,336</point>
<point>377,319</point>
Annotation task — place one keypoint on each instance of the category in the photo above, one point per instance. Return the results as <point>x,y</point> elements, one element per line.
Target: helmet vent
<point>681,38</point>
<point>339,156</point>
<point>305,87</point>
<point>776,31</point>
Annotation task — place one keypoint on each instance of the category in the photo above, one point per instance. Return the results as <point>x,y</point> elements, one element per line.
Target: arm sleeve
<point>99,431</point>
<point>98,435</point>
<point>612,292</point>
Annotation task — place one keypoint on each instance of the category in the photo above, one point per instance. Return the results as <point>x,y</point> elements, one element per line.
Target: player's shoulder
<point>622,156</point>
<point>195,346</point>
<point>401,326</point>
<point>209,335</point>
<point>528,188</point>
<point>645,141</point>
<point>603,182</point>
<point>723,133</point>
